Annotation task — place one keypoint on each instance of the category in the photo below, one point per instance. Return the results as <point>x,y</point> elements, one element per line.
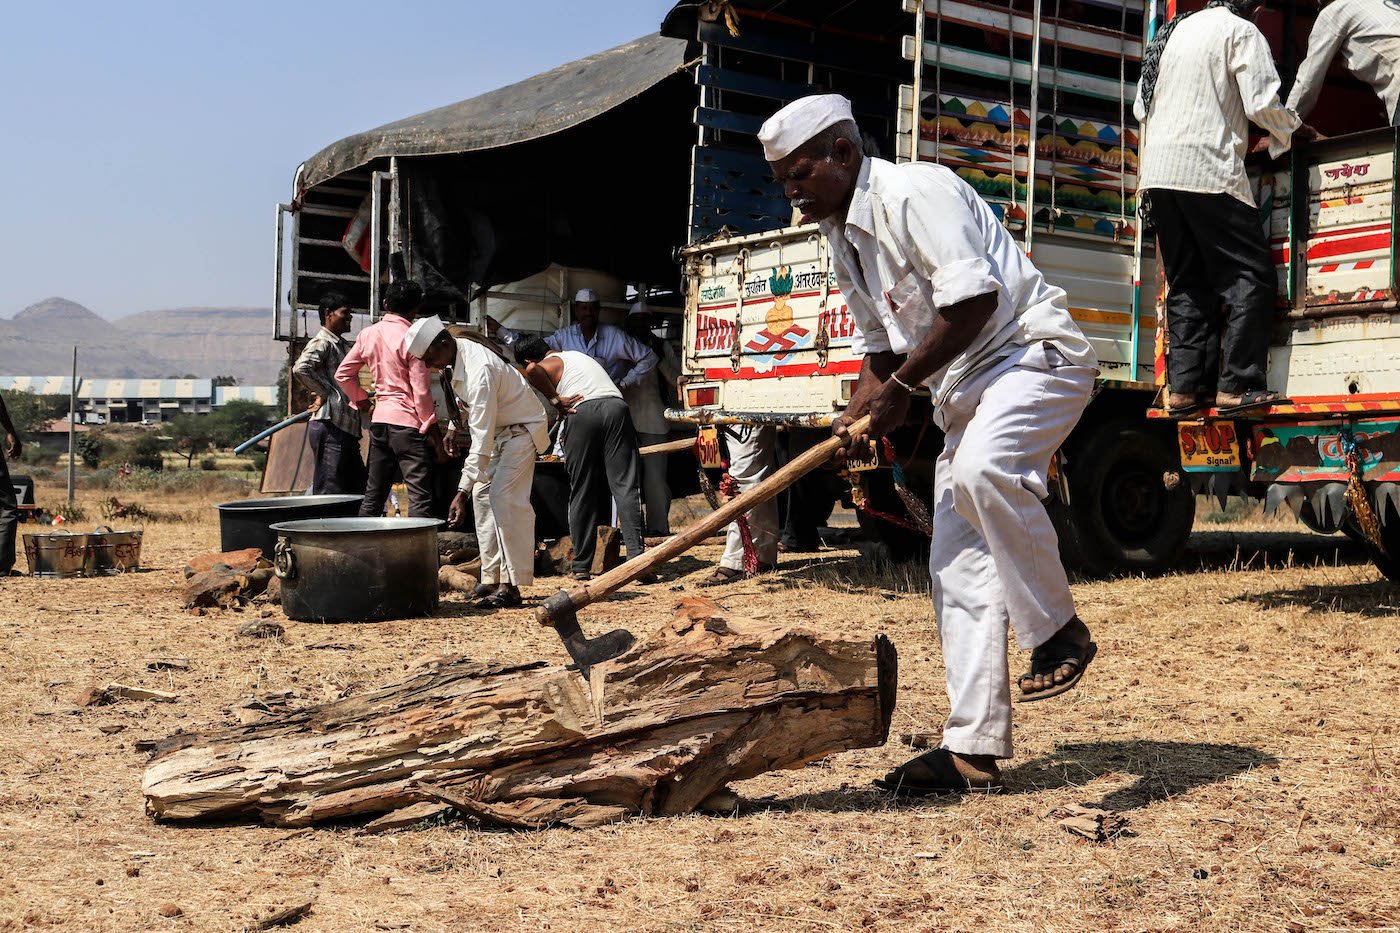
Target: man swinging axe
<point>942,297</point>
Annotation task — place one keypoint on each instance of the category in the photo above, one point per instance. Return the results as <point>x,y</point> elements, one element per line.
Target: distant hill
<point>207,342</point>
<point>211,341</point>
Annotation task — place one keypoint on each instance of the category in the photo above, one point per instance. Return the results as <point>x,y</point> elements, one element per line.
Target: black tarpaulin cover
<point>540,106</point>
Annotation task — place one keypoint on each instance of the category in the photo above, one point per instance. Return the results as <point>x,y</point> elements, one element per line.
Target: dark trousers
<point>600,452</point>
<point>9,514</point>
<point>339,469</point>
<point>1222,291</point>
<point>391,446</point>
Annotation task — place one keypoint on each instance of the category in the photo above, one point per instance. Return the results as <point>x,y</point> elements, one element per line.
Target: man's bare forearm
<point>874,370</point>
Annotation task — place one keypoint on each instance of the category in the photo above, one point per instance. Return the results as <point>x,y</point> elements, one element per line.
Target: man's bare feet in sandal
<point>943,772</point>
<point>1058,664</point>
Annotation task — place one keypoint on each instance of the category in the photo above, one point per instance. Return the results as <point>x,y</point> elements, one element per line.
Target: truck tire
<point>1385,560</point>
<point>882,541</point>
<point>1121,517</point>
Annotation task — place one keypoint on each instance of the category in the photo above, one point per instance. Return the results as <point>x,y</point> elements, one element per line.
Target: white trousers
<point>995,559</point>
<point>505,522</point>
<point>656,491</point>
<point>751,461</point>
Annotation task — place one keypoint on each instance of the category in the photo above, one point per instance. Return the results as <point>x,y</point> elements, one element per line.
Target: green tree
<point>90,448</point>
<point>193,434</point>
<point>239,420</point>
<point>31,413</point>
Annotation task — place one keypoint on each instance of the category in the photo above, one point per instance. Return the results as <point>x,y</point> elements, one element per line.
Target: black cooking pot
<point>356,569</point>
<point>248,522</point>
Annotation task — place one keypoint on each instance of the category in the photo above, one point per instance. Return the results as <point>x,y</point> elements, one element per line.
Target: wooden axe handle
<point>606,584</point>
<point>669,447</point>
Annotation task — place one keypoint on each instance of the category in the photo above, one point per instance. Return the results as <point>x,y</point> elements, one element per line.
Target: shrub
<point>208,463</point>
<point>142,451</point>
<point>90,447</point>
<point>259,461</point>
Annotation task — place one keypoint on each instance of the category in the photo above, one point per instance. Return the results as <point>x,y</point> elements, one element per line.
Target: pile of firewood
<point>229,580</point>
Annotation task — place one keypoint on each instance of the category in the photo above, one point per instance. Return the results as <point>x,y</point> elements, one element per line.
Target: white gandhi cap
<point>638,307</point>
<point>586,294</point>
<point>421,335</point>
<point>799,121</point>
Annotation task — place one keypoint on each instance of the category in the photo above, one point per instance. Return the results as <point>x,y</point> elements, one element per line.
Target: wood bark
<point>706,700</point>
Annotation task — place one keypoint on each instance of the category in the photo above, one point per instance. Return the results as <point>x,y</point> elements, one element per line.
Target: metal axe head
<point>558,611</point>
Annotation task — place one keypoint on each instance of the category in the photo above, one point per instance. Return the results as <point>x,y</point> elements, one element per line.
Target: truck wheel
<point>1386,561</point>
<point>1121,517</point>
<point>884,542</point>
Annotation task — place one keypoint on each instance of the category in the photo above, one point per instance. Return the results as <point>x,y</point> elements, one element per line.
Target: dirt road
<point>1242,716</point>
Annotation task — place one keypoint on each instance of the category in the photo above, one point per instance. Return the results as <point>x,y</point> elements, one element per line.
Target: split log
<point>707,700</point>
<point>461,579</point>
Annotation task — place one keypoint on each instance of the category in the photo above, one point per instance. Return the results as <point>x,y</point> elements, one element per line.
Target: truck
<point>1031,104</point>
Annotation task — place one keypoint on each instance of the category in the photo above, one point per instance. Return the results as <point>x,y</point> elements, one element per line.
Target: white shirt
<point>918,239</point>
<point>1367,32</point>
<point>1216,75</point>
<point>496,396</point>
<point>585,376</point>
<point>644,398</point>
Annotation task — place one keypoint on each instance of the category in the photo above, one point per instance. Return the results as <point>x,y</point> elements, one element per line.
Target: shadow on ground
<point>1164,769</point>
<point>1273,550</point>
<point>1376,599</point>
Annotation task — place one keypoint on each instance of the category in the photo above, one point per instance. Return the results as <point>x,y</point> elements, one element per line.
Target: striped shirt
<point>1216,76</point>
<point>1367,34</point>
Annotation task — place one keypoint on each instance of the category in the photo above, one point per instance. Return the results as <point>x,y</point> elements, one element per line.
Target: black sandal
<point>502,600</point>
<point>938,776</point>
<point>1253,400</point>
<point>1050,666</point>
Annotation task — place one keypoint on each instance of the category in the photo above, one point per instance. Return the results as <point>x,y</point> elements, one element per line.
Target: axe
<point>561,609</point>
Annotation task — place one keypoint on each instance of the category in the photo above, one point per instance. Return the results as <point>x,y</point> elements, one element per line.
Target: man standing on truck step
<point>334,431</point>
<point>943,298</point>
<point>646,398</point>
<point>508,430</point>
<point>600,446</point>
<point>9,503</point>
<point>1204,78</point>
<point>1367,34</point>
<point>627,360</point>
<point>403,431</point>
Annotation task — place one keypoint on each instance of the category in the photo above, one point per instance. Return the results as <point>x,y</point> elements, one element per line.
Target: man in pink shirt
<point>403,431</point>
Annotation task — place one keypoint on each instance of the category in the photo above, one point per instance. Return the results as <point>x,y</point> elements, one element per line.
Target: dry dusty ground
<point>1241,715</point>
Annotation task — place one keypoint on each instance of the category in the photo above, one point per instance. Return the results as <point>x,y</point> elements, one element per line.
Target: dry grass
<point>1242,715</point>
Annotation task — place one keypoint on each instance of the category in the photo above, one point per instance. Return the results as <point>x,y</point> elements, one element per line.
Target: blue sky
<point>146,143</point>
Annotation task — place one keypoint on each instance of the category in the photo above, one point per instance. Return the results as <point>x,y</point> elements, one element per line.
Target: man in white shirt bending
<point>943,298</point>
<point>1205,78</point>
<point>600,446</point>
<point>1367,35</point>
<point>508,429</point>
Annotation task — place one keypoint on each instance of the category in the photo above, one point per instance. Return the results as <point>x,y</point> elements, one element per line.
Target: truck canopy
<point>538,106</point>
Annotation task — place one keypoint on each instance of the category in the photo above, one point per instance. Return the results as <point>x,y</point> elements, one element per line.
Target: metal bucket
<point>247,522</point>
<point>56,554</point>
<point>357,569</point>
<point>111,552</point>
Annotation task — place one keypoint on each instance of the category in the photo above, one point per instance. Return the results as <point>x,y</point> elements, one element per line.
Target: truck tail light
<point>699,398</point>
<point>848,387</point>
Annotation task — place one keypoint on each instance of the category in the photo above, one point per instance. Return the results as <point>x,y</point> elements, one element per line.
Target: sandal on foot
<point>1181,405</point>
<point>1043,666</point>
<point>1250,401</point>
<point>935,773</point>
<point>582,575</point>
<point>501,600</point>
<point>723,575</point>
<point>482,590</point>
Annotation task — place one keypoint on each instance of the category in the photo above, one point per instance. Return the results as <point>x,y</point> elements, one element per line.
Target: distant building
<point>125,401</point>
<point>264,395</point>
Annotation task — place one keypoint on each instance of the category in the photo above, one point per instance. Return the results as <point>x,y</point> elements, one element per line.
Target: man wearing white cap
<point>508,429</point>
<point>627,360</point>
<point>647,400</point>
<point>943,299</point>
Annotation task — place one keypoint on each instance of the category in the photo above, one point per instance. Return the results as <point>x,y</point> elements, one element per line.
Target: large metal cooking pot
<point>248,522</point>
<point>353,569</point>
<point>111,552</point>
<point>56,555</point>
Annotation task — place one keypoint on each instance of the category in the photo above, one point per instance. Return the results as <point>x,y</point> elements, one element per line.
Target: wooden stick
<point>608,583</point>
<point>670,447</point>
